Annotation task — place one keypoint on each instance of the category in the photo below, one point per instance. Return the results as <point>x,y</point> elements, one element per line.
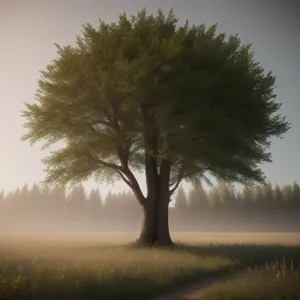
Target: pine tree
<point>226,196</point>
<point>197,201</point>
<point>24,198</point>
<point>295,201</point>
<point>287,192</point>
<point>247,199</point>
<point>95,205</point>
<point>181,205</point>
<point>278,198</point>
<point>267,196</point>
<point>259,199</point>
<point>57,204</point>
<point>35,201</point>
<point>77,203</point>
<point>14,199</point>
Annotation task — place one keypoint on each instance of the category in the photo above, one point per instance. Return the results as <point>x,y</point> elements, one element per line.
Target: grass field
<point>107,266</point>
<point>274,281</point>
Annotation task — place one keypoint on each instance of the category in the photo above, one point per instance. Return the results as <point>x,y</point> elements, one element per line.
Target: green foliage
<point>144,86</point>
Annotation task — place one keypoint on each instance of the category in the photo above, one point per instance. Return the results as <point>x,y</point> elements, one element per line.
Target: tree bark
<point>155,227</point>
<point>162,233</point>
<point>147,235</point>
<point>162,212</point>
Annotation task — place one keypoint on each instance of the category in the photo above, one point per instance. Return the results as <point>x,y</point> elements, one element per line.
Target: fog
<point>39,209</point>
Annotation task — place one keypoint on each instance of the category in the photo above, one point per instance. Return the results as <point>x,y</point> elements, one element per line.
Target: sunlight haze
<point>29,29</point>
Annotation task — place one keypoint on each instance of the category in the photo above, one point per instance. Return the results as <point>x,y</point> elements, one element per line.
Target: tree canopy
<point>147,94</point>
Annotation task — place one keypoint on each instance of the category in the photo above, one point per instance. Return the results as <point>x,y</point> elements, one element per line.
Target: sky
<point>29,28</point>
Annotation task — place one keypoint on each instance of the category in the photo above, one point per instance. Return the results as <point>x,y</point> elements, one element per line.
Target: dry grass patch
<point>275,281</point>
<point>85,267</point>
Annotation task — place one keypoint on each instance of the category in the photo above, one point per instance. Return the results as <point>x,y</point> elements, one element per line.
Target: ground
<point>84,266</point>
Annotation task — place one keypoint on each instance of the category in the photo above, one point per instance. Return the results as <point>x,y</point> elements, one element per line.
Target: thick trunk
<point>162,212</point>
<point>147,235</point>
<point>155,227</point>
<point>162,223</point>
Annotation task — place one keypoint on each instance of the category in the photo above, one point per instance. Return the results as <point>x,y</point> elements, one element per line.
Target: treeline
<point>55,204</point>
<point>198,206</point>
<point>263,208</point>
<point>263,198</point>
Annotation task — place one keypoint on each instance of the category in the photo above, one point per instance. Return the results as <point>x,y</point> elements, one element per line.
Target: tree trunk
<point>162,223</point>
<point>155,227</point>
<point>147,235</point>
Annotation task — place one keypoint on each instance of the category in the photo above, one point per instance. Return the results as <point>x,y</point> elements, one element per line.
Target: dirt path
<point>187,291</point>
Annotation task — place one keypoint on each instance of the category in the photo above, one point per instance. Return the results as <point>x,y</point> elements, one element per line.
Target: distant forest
<point>263,208</point>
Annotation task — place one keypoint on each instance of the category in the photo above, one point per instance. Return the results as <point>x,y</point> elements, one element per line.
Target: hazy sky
<point>29,28</point>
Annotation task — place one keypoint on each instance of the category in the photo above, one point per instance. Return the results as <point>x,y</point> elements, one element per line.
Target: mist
<point>40,209</point>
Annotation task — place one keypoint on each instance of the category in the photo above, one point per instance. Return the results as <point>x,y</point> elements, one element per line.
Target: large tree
<point>178,102</point>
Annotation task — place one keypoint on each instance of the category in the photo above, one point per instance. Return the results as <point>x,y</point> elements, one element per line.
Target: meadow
<point>109,266</point>
<point>275,280</point>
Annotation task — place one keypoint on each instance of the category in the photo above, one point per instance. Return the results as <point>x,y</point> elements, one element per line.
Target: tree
<point>260,203</point>
<point>77,203</point>
<point>45,200</point>
<point>278,198</point>
<point>56,204</point>
<point>267,196</point>
<point>295,201</point>
<point>287,192</point>
<point>94,205</point>
<point>247,199</point>
<point>197,200</point>
<point>35,202</point>
<point>143,94</point>
<point>226,196</point>
<point>24,199</point>
<point>181,205</point>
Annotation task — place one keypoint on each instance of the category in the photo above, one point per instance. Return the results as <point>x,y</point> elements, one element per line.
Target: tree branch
<point>175,187</point>
<point>181,176</point>
<point>135,186</point>
<point>123,153</point>
<point>91,126</point>
<point>123,171</point>
<point>102,162</point>
<point>124,178</point>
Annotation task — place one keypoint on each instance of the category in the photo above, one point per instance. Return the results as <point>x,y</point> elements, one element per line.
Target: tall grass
<point>98,271</point>
<point>81,267</point>
<point>279,280</point>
